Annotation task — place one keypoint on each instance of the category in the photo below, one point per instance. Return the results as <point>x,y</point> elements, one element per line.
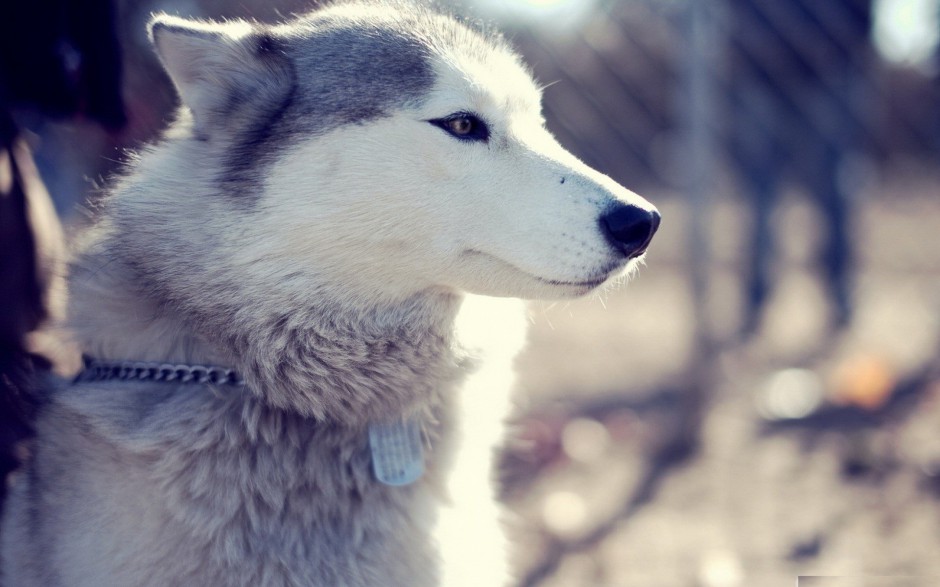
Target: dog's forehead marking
<point>356,63</point>
<point>371,53</point>
<point>345,76</point>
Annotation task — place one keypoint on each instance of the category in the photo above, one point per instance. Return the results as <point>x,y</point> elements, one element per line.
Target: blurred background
<point>763,401</point>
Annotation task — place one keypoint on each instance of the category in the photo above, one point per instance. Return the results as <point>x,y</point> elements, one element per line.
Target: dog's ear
<point>216,66</point>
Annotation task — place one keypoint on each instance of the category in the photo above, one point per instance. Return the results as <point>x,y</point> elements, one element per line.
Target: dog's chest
<point>287,499</point>
<point>195,489</point>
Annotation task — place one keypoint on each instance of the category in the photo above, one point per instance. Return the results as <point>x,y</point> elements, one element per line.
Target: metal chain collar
<point>396,450</point>
<point>95,370</point>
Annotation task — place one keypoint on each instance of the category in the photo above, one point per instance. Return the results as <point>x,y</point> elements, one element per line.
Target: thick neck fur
<point>113,318</point>
<point>318,359</point>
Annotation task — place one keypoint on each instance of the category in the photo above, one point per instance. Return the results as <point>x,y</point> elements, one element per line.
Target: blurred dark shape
<point>806,549</point>
<point>859,464</point>
<point>929,479</point>
<point>29,240</point>
<point>58,59</point>
<point>62,59</point>
<point>798,69</point>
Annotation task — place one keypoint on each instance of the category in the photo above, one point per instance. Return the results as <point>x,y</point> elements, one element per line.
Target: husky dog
<point>281,386</point>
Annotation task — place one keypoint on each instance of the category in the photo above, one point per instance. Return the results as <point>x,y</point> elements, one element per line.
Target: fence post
<point>699,145</point>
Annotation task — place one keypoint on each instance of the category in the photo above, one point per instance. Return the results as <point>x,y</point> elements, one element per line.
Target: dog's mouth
<point>583,286</point>
<point>588,284</point>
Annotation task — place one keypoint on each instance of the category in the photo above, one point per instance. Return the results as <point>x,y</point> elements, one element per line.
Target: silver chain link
<point>95,370</point>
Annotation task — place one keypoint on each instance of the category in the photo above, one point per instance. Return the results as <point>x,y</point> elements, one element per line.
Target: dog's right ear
<point>215,65</point>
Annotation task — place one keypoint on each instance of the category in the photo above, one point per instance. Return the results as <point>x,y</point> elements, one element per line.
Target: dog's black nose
<point>630,228</point>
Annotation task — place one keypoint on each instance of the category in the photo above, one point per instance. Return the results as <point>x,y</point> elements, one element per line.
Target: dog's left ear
<point>216,66</point>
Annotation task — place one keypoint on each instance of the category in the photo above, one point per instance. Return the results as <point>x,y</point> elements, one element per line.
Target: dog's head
<point>384,151</point>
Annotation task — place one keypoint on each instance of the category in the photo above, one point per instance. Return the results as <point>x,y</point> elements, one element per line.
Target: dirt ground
<point>643,457</point>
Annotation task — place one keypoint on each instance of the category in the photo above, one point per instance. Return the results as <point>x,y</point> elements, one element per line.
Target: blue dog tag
<point>397,454</point>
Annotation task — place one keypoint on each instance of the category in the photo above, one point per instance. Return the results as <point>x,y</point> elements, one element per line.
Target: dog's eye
<point>464,126</point>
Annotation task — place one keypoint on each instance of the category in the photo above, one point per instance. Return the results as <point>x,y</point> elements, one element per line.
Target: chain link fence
<point>617,75</point>
<point>750,98</point>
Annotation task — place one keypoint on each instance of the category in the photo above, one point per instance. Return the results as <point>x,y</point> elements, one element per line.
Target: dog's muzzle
<point>629,228</point>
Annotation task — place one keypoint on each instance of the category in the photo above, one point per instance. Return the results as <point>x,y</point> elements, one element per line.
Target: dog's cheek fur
<point>385,235</point>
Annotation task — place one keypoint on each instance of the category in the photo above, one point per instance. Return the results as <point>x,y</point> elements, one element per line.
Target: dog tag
<point>397,454</point>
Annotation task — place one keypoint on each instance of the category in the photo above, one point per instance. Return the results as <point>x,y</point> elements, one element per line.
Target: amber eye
<point>464,126</point>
